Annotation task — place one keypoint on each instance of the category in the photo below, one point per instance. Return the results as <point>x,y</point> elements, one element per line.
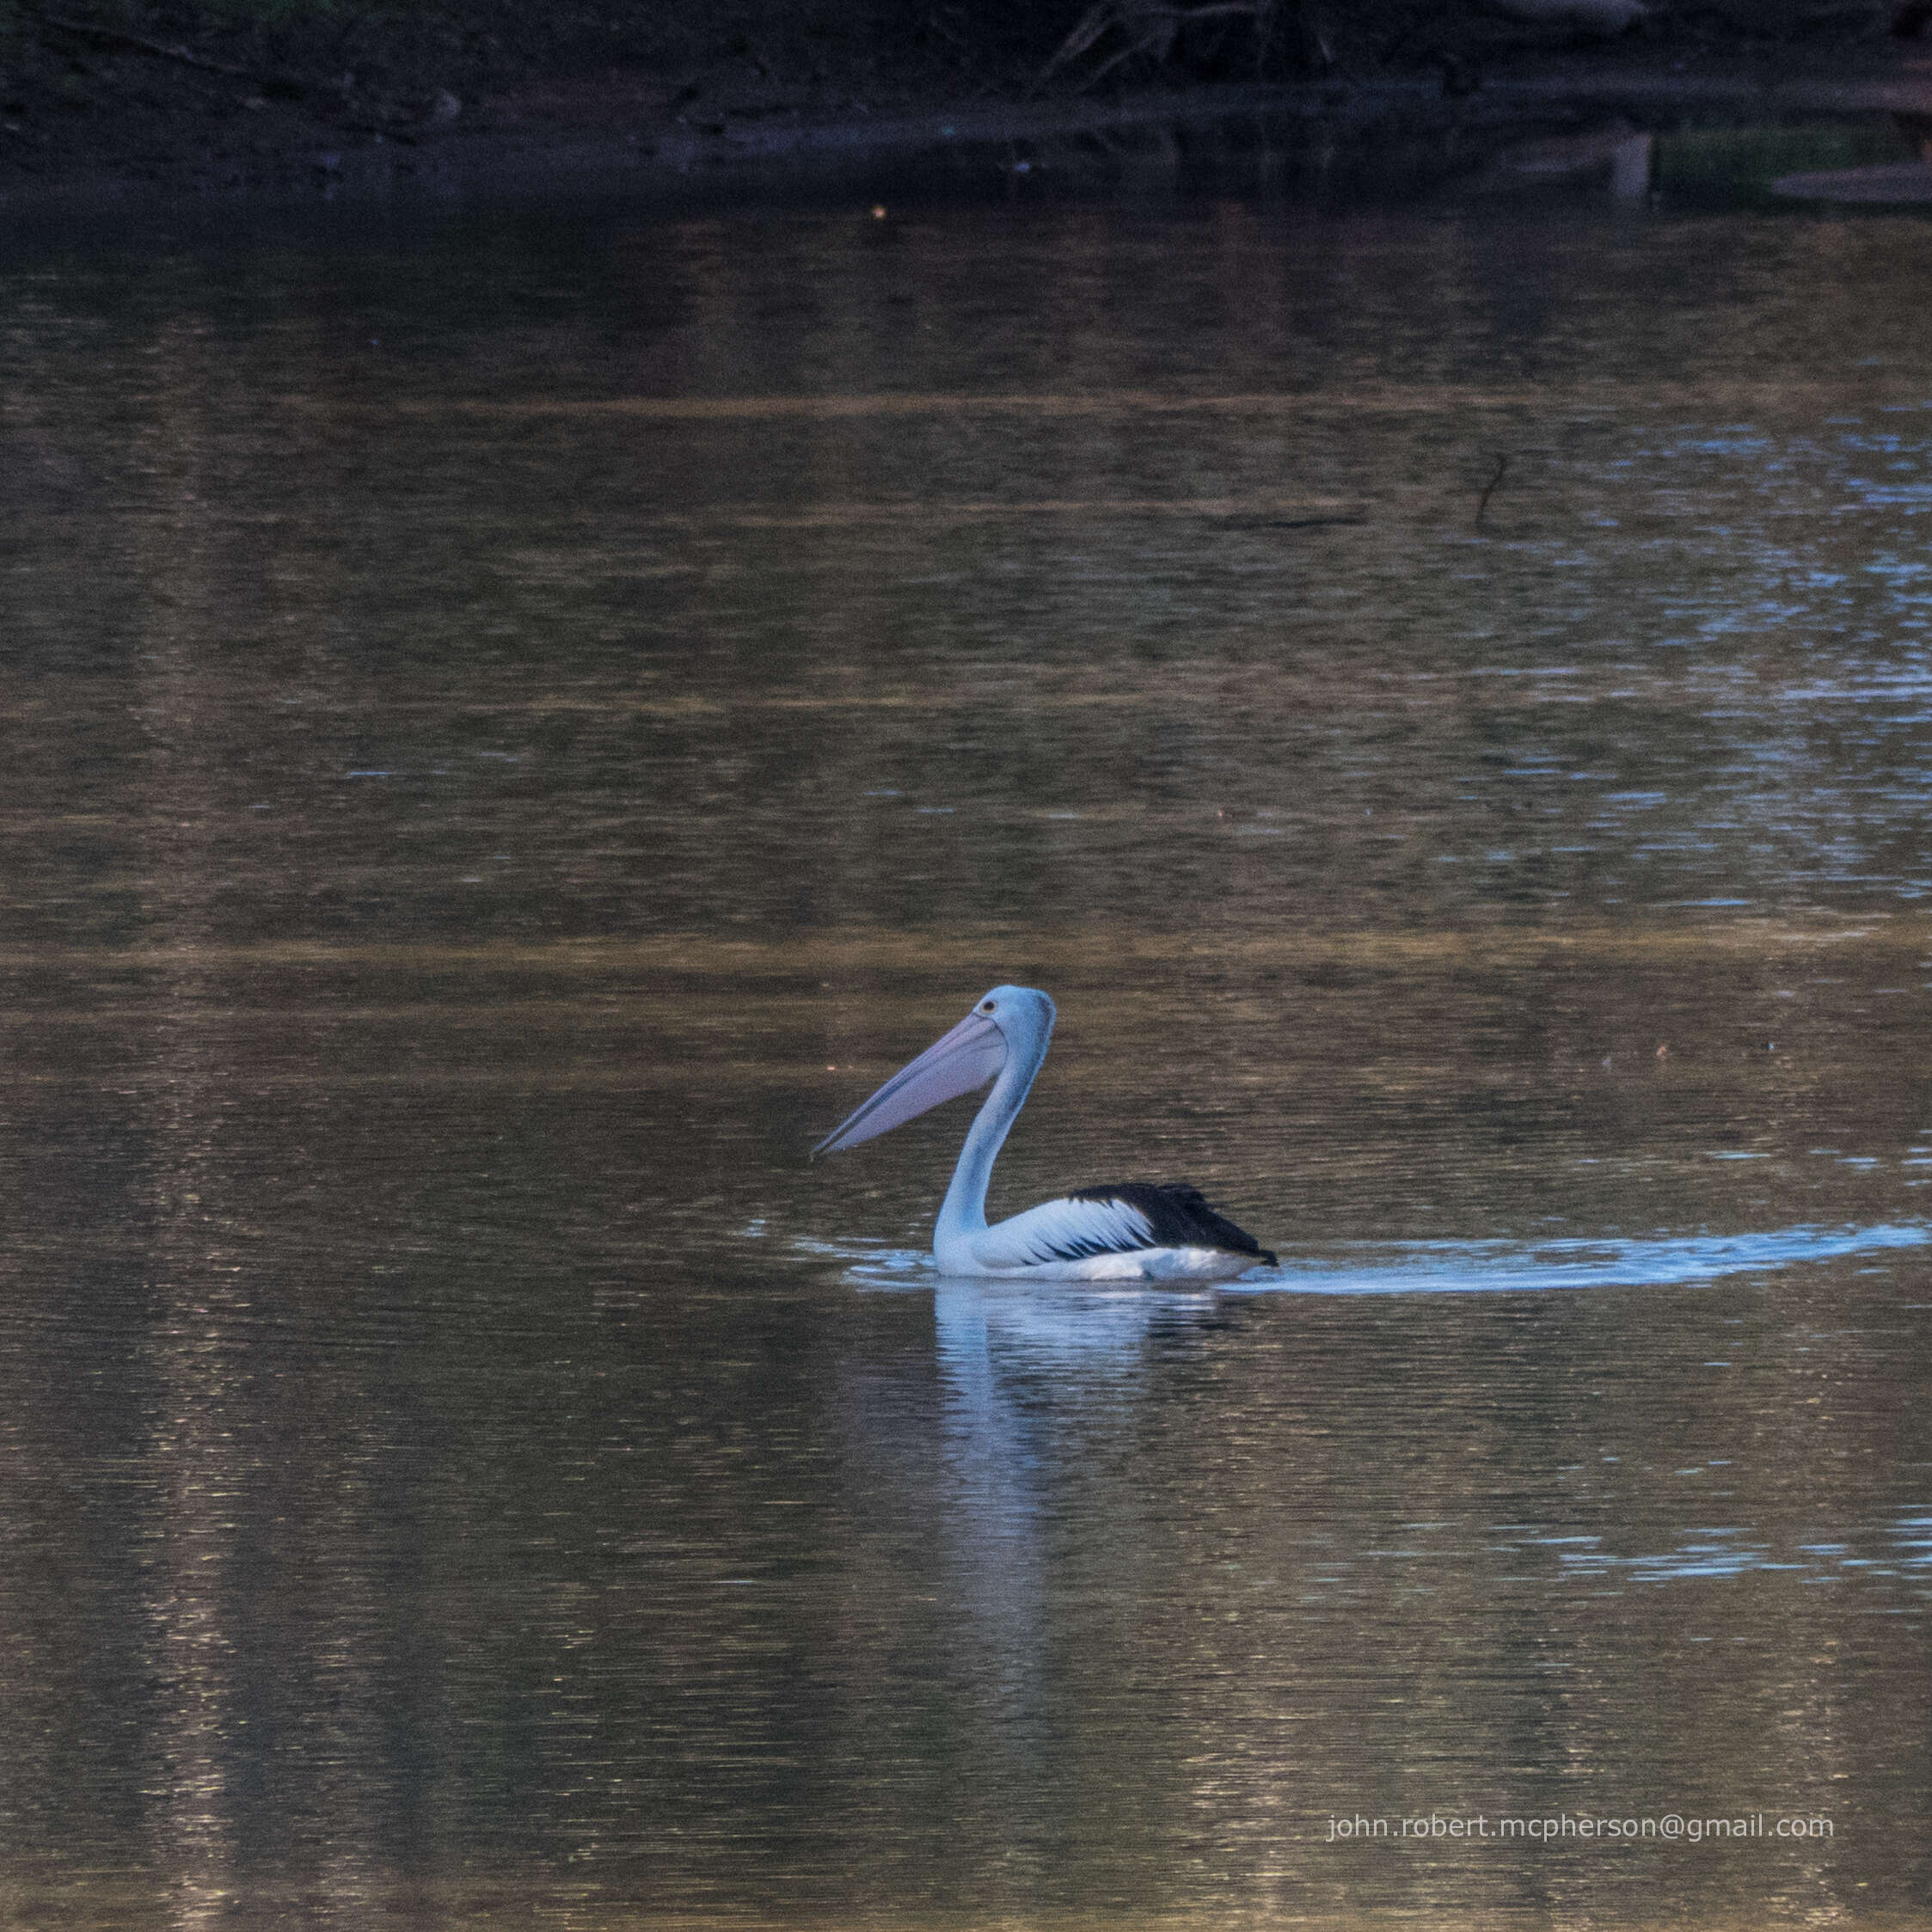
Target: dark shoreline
<point>205,138</point>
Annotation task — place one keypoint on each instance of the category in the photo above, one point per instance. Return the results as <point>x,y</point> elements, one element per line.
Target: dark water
<point>514,723</point>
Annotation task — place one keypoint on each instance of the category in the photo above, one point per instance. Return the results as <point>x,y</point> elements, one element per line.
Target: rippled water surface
<point>516,720</point>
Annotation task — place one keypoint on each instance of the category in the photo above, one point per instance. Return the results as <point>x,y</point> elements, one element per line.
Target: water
<point>519,719</point>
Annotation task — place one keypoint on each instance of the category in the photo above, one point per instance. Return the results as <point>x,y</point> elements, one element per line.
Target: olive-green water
<point>516,720</point>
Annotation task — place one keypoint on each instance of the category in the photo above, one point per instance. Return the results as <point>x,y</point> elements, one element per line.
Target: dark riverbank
<point>133,104</point>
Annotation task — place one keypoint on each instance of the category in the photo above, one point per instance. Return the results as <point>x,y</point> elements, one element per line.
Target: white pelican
<point>1138,1231</point>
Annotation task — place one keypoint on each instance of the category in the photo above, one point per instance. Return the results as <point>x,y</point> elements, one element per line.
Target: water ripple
<point>1501,1266</point>
<point>1461,1267</point>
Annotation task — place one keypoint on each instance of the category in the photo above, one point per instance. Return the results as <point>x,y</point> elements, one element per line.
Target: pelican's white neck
<point>1026,1018</point>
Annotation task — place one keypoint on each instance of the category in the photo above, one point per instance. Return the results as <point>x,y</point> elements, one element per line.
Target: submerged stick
<point>116,37</point>
<point>1489,489</point>
<point>286,87</point>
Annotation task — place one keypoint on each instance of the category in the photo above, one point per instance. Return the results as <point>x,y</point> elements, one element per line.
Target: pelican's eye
<point>987,1006</point>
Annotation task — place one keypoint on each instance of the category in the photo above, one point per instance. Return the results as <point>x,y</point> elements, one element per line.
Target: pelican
<point>1136,1231</point>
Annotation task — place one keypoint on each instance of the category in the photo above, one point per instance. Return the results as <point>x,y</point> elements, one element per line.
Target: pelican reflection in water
<point>1136,1231</point>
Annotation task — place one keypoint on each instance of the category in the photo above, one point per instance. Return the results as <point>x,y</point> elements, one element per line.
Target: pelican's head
<point>1009,1022</point>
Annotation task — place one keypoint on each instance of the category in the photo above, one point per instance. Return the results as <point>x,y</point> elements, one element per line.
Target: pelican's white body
<point>1025,1245</point>
<point>1080,1238</point>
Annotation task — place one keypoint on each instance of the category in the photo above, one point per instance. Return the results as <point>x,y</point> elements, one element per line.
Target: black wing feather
<point>1178,1216</point>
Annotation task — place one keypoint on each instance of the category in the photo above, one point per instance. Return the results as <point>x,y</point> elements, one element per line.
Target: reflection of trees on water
<point>1015,619</point>
<point>201,1403</point>
<point>223,1458</point>
<point>222,1679</point>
